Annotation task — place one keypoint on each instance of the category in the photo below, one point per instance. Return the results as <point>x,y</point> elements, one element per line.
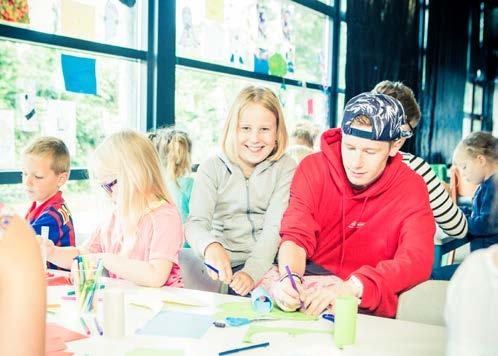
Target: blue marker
<point>329,317</point>
<point>254,346</point>
<point>211,268</point>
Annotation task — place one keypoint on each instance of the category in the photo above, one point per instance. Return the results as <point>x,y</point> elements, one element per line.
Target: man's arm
<point>411,264</point>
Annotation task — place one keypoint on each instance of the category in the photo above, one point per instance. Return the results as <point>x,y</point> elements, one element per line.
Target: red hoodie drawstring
<point>362,210</point>
<point>343,232</point>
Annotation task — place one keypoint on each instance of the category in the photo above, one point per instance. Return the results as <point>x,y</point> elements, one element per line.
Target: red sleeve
<point>411,265</point>
<point>298,223</point>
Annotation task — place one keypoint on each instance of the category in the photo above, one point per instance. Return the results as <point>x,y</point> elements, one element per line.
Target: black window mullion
<point>35,37</point>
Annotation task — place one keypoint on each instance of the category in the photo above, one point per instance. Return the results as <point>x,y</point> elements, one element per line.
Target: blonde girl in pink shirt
<point>140,240</point>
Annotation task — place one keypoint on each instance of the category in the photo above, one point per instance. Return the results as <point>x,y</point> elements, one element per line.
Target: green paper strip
<point>257,329</point>
<point>244,310</point>
<point>154,352</point>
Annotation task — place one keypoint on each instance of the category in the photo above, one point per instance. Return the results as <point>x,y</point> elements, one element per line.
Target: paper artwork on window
<point>78,19</point>
<point>188,38</point>
<point>7,139</point>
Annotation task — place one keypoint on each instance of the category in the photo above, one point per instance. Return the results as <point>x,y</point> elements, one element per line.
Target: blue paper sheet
<point>261,61</point>
<point>79,74</point>
<point>177,324</point>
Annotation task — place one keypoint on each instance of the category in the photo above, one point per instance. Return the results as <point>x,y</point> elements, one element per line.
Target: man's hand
<point>324,298</point>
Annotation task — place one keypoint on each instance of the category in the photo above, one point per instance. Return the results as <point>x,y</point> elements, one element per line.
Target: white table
<point>375,336</point>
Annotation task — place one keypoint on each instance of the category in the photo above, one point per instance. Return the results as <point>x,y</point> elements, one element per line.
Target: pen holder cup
<point>86,284</point>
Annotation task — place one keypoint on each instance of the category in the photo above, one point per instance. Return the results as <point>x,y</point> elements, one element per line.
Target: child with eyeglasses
<point>140,240</point>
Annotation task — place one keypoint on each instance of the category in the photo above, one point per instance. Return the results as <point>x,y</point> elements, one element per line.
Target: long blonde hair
<point>130,158</point>
<point>267,99</point>
<point>175,150</point>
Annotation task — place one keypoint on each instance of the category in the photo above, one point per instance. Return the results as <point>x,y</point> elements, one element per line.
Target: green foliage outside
<point>21,63</point>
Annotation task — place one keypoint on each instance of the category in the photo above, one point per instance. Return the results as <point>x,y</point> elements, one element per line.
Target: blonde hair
<point>131,159</point>
<point>480,143</point>
<point>298,152</point>
<point>267,99</point>
<point>53,147</point>
<point>405,96</point>
<point>175,150</point>
<point>306,132</point>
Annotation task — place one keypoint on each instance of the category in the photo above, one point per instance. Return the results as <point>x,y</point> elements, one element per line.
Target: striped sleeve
<point>447,214</point>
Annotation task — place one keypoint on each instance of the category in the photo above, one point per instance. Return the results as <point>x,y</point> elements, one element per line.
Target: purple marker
<point>293,283</point>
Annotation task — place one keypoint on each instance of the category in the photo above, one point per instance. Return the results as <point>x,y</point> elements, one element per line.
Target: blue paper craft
<point>79,74</point>
<point>261,61</point>
<point>261,301</point>
<point>177,324</point>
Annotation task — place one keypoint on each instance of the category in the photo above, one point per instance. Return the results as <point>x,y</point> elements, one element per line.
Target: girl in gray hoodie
<point>240,195</point>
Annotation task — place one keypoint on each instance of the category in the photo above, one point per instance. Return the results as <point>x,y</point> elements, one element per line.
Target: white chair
<point>194,273</point>
<point>423,303</point>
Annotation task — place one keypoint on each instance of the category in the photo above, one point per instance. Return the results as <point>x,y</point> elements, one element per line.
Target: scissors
<point>232,321</point>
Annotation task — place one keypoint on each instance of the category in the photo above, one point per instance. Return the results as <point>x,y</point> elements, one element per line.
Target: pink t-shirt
<point>159,236</point>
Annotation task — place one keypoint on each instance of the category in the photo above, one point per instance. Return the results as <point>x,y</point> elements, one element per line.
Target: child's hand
<point>94,258</point>
<point>287,298</point>
<point>242,283</point>
<point>216,256</point>
<point>46,246</point>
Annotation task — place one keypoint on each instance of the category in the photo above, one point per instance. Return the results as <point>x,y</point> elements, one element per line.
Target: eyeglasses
<point>108,186</point>
<point>407,133</point>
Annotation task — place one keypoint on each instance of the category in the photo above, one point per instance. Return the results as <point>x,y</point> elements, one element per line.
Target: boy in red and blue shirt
<point>46,169</point>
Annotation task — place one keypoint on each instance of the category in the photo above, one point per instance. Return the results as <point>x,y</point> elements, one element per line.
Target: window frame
<point>161,61</point>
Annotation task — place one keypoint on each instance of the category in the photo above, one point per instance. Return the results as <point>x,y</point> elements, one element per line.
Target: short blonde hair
<point>51,147</point>
<point>306,132</point>
<point>175,150</point>
<point>298,152</point>
<point>267,99</point>
<point>130,158</point>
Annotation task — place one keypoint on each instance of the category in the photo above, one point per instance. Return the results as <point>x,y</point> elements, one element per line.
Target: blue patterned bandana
<point>385,113</point>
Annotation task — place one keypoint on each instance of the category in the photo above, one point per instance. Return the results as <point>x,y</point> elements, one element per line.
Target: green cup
<point>346,311</point>
<point>441,171</point>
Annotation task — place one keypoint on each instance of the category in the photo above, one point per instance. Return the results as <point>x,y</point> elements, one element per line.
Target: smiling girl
<point>239,196</point>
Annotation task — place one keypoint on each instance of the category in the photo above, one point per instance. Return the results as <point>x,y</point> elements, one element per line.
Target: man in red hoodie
<point>357,212</point>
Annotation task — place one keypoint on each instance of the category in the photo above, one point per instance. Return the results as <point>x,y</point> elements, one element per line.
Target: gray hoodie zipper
<point>248,211</point>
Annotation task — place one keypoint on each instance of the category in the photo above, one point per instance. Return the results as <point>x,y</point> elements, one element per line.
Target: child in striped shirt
<point>447,214</point>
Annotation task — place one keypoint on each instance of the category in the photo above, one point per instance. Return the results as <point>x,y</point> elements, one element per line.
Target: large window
<point>34,102</point>
<point>203,100</point>
<point>74,69</point>
<point>110,21</point>
<point>281,44</point>
<point>271,33</point>
<point>152,63</point>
